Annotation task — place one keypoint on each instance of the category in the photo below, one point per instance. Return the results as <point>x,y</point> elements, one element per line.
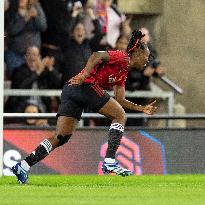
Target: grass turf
<point>105,190</point>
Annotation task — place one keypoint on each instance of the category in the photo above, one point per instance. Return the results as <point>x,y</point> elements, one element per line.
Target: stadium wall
<point>144,152</point>
<point>178,33</point>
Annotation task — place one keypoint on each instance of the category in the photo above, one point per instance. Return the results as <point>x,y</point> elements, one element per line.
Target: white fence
<point>137,94</point>
<point>158,94</point>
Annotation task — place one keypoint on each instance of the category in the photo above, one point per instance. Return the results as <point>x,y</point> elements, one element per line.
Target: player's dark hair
<point>136,42</point>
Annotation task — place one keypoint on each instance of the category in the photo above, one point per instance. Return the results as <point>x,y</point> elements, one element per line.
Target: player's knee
<point>121,117</point>
<point>63,139</point>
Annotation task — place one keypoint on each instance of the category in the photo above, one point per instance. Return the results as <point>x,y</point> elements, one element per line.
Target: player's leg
<point>114,111</point>
<point>64,129</point>
<point>69,113</point>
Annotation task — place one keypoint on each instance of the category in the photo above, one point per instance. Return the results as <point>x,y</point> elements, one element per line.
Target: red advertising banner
<point>83,154</point>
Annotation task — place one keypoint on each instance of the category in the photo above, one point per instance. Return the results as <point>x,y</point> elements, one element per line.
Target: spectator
<point>89,17</point>
<point>58,13</point>
<point>6,5</point>
<point>37,73</point>
<point>32,107</point>
<point>78,47</point>
<point>112,21</point>
<point>154,62</point>
<point>122,43</point>
<point>24,20</point>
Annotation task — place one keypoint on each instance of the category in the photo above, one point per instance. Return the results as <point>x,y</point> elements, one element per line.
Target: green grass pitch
<point>104,190</point>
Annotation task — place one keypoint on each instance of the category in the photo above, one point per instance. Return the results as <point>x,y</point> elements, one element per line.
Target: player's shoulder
<point>117,52</point>
<point>117,55</point>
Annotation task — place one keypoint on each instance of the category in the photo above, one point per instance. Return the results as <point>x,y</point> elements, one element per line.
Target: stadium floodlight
<point>1,81</point>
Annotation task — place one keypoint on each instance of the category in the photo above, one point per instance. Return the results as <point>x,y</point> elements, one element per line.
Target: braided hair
<point>136,42</point>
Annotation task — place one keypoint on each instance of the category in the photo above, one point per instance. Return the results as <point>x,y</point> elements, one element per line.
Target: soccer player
<point>103,70</point>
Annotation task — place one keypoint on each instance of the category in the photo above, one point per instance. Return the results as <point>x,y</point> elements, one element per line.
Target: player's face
<point>139,59</point>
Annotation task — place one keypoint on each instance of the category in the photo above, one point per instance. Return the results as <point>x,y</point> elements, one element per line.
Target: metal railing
<point>158,94</point>
<point>192,116</point>
<point>136,94</point>
<point>180,118</point>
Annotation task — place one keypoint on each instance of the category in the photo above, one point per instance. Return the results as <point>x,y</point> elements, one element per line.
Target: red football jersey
<point>113,72</point>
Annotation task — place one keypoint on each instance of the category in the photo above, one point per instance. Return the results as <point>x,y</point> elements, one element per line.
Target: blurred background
<point>48,42</point>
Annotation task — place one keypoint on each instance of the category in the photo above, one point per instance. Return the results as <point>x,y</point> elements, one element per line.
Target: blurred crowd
<point>48,42</point>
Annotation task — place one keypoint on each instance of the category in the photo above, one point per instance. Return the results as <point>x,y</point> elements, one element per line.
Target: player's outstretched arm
<point>150,108</point>
<point>120,97</point>
<point>93,60</point>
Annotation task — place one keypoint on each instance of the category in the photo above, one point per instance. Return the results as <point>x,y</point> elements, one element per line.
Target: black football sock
<point>115,134</point>
<point>39,153</point>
